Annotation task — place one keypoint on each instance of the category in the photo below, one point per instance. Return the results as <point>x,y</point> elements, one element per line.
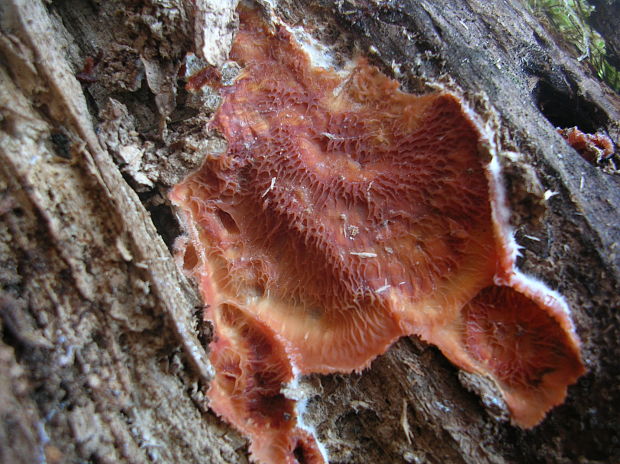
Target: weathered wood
<point>99,327</point>
<point>102,356</point>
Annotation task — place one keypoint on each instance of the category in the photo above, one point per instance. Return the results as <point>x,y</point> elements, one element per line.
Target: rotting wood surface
<point>103,349</point>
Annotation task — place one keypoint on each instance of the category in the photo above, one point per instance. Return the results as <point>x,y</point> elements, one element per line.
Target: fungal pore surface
<point>345,214</point>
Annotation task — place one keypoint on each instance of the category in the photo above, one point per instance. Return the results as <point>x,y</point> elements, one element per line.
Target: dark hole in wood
<point>62,145</point>
<point>165,223</point>
<point>567,109</point>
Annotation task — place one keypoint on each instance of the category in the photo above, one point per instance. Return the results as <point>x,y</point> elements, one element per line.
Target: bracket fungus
<point>345,214</point>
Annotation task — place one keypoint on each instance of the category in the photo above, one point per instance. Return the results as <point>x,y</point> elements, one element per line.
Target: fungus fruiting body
<point>594,148</point>
<point>344,215</point>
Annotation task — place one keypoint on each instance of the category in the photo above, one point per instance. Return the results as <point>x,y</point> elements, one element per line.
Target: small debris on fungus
<point>433,254</point>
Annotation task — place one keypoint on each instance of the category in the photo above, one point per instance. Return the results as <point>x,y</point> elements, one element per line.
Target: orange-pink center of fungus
<point>344,215</point>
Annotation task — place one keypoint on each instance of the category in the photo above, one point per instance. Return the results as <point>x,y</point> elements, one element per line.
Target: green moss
<point>569,18</point>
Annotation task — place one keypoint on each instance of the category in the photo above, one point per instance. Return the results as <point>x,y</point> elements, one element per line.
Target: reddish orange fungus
<point>527,352</point>
<point>251,367</point>
<point>346,214</point>
<point>592,147</point>
<point>209,75</point>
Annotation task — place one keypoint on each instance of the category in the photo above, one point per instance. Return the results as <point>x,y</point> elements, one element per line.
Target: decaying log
<point>103,348</point>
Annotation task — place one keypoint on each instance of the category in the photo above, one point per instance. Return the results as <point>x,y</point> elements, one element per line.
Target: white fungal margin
<point>293,390</point>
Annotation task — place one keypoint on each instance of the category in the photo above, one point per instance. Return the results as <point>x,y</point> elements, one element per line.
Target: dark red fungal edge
<point>344,215</point>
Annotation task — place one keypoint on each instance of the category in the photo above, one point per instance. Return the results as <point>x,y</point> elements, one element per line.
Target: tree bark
<point>103,347</point>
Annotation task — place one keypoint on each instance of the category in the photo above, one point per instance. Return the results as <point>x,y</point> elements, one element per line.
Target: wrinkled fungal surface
<point>344,215</point>
<point>251,368</point>
<point>592,147</point>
